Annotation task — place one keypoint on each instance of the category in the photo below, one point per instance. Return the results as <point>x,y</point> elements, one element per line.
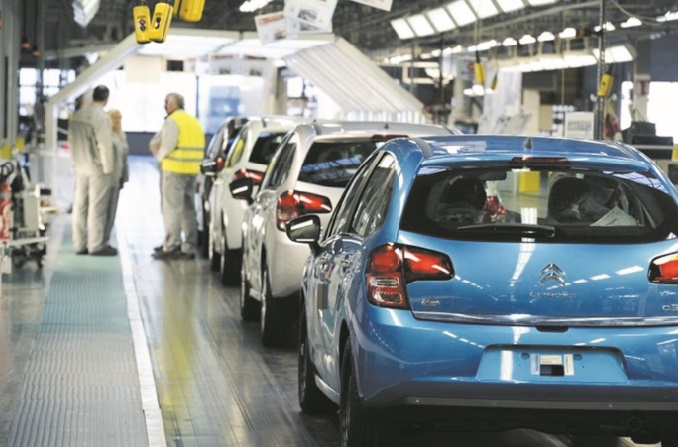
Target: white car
<point>215,153</point>
<point>307,174</point>
<point>248,157</point>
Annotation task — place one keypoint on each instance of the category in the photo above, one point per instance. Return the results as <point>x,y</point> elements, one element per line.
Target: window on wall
<point>660,108</point>
<point>142,104</point>
<point>53,80</point>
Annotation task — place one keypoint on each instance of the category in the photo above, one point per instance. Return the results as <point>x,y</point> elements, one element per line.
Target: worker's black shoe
<point>82,252</point>
<point>163,255</point>
<point>106,251</point>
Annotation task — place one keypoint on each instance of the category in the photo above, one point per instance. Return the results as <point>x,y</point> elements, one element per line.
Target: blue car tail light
<point>664,269</point>
<point>391,267</point>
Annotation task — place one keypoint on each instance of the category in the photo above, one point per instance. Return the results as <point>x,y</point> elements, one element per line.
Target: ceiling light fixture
<point>568,33</point>
<point>616,54</point>
<point>253,5</point>
<point>546,36</point>
<point>631,22</point>
<point>84,11</point>
<point>510,42</point>
<point>608,27</point>
<point>668,17</point>
<point>526,40</point>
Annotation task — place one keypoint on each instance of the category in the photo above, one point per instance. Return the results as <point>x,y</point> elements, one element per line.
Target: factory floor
<point>132,351</point>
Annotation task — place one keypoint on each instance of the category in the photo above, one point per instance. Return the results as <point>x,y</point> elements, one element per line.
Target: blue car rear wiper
<point>525,230</point>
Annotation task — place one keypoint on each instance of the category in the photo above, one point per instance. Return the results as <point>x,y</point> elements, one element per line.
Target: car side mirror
<point>242,189</point>
<point>211,168</point>
<point>305,229</point>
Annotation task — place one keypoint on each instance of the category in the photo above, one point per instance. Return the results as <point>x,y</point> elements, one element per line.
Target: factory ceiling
<point>366,27</point>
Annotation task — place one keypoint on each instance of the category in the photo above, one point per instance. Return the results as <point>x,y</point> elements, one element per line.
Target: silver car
<point>247,157</point>
<point>307,174</point>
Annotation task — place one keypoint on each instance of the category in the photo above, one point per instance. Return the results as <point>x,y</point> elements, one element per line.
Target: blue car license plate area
<point>544,365</point>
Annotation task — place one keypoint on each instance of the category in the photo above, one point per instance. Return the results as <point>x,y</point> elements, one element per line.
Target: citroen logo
<point>552,273</point>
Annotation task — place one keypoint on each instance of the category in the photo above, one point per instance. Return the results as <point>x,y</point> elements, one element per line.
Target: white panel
<point>143,69</point>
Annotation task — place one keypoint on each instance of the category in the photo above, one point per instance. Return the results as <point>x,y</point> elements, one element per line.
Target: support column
<point>641,81</point>
<point>9,66</point>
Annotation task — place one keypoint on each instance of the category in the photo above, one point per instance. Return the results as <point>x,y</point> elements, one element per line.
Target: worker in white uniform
<point>120,174</point>
<point>179,147</point>
<point>91,149</point>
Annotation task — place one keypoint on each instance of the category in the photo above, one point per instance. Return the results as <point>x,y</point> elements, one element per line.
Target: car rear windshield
<point>265,147</point>
<point>548,205</point>
<point>334,163</point>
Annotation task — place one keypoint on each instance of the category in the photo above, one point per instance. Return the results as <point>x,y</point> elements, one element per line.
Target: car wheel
<point>357,427</point>
<point>248,305</point>
<point>271,315</point>
<point>311,399</point>
<point>205,239</point>
<point>230,259</point>
<point>213,256</point>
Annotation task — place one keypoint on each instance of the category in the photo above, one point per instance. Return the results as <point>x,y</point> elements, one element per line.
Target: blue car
<point>494,282</point>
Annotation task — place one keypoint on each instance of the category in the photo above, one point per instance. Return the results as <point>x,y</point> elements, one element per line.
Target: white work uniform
<point>91,147</point>
<point>119,176</point>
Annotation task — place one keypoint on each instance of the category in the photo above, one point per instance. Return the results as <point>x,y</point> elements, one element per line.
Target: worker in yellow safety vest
<point>179,147</point>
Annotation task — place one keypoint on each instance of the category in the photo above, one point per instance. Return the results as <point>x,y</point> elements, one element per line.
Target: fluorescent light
<point>619,53</point>
<point>631,22</point>
<point>402,28</point>
<point>453,50</point>
<point>669,16</point>
<point>568,33</point>
<point>608,27</point>
<point>440,19</point>
<point>484,8</point>
<point>253,5</point>
<point>510,5</point>
<point>484,46</point>
<point>541,2</point>
<point>546,36</point>
<point>510,42</point>
<point>461,13</point>
<point>575,59</point>
<point>526,40</point>
<point>420,25</point>
<point>552,62</point>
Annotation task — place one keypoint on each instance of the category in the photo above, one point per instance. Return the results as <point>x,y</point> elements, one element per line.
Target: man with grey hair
<point>179,147</point>
<point>91,146</point>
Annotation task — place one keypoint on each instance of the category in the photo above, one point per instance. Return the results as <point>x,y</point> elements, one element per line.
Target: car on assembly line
<point>494,282</point>
<point>247,157</point>
<point>213,159</point>
<point>307,174</point>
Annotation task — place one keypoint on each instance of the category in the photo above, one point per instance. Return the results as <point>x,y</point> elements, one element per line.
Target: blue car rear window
<point>549,205</point>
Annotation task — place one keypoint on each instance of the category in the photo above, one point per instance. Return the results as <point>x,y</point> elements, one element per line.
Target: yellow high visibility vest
<point>187,156</point>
